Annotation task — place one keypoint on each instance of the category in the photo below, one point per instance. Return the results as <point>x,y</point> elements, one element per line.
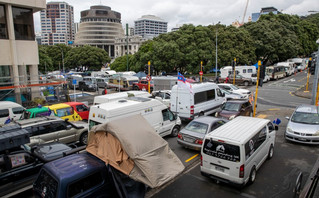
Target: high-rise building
<point>150,26</point>
<point>57,23</point>
<point>19,56</point>
<point>267,10</point>
<point>99,26</point>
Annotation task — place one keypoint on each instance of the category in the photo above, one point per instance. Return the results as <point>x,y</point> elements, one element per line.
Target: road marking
<point>262,116</point>
<point>191,158</point>
<point>275,109</point>
<point>291,93</point>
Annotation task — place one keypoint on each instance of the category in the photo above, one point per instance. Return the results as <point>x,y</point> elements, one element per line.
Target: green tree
<point>45,62</point>
<point>120,63</point>
<point>55,53</point>
<point>86,55</point>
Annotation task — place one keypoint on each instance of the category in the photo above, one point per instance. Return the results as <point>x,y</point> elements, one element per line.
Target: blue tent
<point>256,65</point>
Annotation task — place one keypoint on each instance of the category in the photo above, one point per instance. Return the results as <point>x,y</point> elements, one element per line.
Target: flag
<point>182,83</point>
<point>8,120</point>
<point>277,121</point>
<point>39,106</point>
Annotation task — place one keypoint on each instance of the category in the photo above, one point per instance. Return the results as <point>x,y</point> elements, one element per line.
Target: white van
<point>205,99</point>
<point>289,67</point>
<point>234,152</point>
<point>119,95</point>
<point>10,109</point>
<point>155,112</point>
<point>245,71</point>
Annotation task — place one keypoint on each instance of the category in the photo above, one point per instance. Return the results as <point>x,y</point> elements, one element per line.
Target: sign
<point>201,73</point>
<point>74,82</point>
<point>148,78</point>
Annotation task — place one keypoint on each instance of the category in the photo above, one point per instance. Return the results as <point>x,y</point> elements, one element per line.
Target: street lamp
<point>62,58</point>
<point>216,51</point>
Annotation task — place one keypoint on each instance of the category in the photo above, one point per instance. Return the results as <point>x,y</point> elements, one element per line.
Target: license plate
<point>188,140</point>
<point>219,169</point>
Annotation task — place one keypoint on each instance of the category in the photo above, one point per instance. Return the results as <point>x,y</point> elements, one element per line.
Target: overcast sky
<point>197,12</point>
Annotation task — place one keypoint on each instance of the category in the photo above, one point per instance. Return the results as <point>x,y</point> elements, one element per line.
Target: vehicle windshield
<point>197,127</point>
<point>225,91</point>
<point>228,106</point>
<point>305,118</point>
<point>64,112</point>
<point>234,87</point>
<point>222,150</point>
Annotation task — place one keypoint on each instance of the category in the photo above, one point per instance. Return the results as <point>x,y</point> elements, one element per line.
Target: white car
<point>254,78</point>
<point>234,89</point>
<point>162,95</point>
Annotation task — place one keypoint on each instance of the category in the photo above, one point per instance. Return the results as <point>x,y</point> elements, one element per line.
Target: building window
<point>3,24</point>
<point>23,23</point>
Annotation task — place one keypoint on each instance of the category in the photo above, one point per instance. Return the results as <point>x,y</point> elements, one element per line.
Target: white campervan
<point>245,71</point>
<point>289,67</point>
<point>155,112</point>
<point>119,95</point>
<point>234,152</point>
<point>206,98</point>
<point>10,110</point>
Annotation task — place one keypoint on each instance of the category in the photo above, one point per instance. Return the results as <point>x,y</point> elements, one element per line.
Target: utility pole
<point>234,71</point>
<point>127,47</point>
<point>216,50</point>
<point>256,94</point>
<point>314,98</point>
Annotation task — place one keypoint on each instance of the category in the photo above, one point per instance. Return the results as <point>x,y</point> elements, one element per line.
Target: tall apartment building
<point>19,56</point>
<point>150,26</point>
<point>99,26</point>
<point>57,23</point>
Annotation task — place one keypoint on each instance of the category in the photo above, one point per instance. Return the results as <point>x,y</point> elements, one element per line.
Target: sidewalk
<point>305,94</point>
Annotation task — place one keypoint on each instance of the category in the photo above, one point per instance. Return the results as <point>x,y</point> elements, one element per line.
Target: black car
<point>87,86</point>
<point>19,164</point>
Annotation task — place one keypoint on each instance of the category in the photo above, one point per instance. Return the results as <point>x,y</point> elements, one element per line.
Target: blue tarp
<point>256,65</point>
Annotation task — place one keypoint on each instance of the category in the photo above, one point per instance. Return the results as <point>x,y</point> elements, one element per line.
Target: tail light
<point>242,171</point>
<point>199,141</point>
<point>192,110</point>
<point>201,160</point>
<point>179,136</point>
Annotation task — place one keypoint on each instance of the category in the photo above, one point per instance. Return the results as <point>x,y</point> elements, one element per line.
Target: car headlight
<point>216,114</point>
<point>232,117</point>
<point>289,130</point>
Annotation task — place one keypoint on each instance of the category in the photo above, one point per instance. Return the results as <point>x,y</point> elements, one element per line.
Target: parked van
<point>234,152</point>
<point>10,110</point>
<point>245,71</point>
<point>65,111</point>
<point>156,113</point>
<point>205,99</point>
<point>289,67</point>
<point>122,82</point>
<point>276,72</point>
<point>119,95</point>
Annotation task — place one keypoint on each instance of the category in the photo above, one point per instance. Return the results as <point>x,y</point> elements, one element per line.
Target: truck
<point>143,85</point>
<point>164,82</point>
<point>245,71</point>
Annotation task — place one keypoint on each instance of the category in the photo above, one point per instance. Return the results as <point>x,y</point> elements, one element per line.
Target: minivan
<point>235,151</point>
<point>10,110</point>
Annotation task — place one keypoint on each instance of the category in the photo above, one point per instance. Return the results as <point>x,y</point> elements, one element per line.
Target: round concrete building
<point>99,26</point>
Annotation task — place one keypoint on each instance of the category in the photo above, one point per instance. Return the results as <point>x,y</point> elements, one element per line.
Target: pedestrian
<point>227,79</point>
<point>104,92</point>
<point>217,78</point>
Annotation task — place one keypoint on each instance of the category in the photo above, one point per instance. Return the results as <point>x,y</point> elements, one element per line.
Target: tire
<point>135,88</point>
<point>84,138</point>
<point>175,131</point>
<point>271,152</point>
<point>246,83</point>
<point>252,175</point>
<point>201,114</point>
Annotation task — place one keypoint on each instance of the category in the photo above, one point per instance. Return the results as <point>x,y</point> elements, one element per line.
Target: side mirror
<point>287,117</point>
<point>68,127</point>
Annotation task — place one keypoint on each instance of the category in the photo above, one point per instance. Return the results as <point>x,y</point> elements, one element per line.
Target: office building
<point>267,10</point>
<point>99,26</point>
<point>150,26</point>
<point>19,57</point>
<point>57,23</point>
<point>134,43</point>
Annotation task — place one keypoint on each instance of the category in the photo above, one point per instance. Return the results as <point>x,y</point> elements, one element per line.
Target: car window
<point>222,150</point>
<point>81,108</point>
<point>18,110</point>
<point>58,126</point>
<point>231,106</point>
<point>41,129</point>
<point>167,96</point>
<point>4,113</point>
<point>254,143</point>
<point>64,112</point>
<point>197,127</point>
<point>271,127</point>
<point>305,118</point>
<point>46,185</point>
<point>167,115</point>
<point>84,184</point>
<point>219,93</point>
<point>216,125</point>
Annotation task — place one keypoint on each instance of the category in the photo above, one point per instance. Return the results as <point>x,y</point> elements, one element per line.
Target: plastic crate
<point>13,136</point>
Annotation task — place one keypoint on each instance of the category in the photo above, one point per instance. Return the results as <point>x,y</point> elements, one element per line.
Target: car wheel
<point>201,114</point>
<point>175,131</point>
<point>252,176</point>
<point>271,152</point>
<point>246,83</point>
<point>84,138</point>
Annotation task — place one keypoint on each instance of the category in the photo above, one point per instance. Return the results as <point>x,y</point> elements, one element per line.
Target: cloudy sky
<point>197,12</point>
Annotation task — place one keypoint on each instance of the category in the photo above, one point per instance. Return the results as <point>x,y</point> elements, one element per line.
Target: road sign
<point>201,73</point>
<point>74,82</point>
<point>148,78</point>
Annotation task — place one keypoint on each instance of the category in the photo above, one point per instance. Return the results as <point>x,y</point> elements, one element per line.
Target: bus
<point>276,72</point>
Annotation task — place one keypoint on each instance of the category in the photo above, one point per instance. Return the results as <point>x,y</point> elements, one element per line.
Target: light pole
<point>62,58</point>
<point>216,52</point>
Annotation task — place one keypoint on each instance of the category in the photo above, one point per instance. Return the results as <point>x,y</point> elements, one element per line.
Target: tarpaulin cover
<point>154,162</point>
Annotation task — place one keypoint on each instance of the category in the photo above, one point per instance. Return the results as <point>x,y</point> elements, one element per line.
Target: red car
<point>143,85</point>
<point>81,109</point>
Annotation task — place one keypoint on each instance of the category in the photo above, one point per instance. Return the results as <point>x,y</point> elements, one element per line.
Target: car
<point>87,86</point>
<point>239,80</point>
<point>193,134</point>
<point>19,164</point>
<point>65,111</point>
<point>162,95</point>
<point>80,109</point>
<point>53,129</point>
<point>254,78</point>
<point>229,95</point>
<point>234,108</point>
<point>36,112</point>
<point>234,89</point>
<point>102,82</point>
<point>143,85</point>
<point>303,125</point>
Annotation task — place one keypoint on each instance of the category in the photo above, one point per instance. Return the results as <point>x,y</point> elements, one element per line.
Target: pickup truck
<point>142,85</point>
<point>239,80</point>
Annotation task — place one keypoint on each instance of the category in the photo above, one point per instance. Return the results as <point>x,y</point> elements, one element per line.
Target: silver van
<point>235,151</point>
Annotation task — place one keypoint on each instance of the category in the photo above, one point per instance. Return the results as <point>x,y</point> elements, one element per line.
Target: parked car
<point>234,89</point>
<point>162,95</point>
<point>254,78</point>
<point>143,85</point>
<point>229,95</point>
<point>65,111</point>
<point>193,134</point>
<point>53,129</point>
<point>303,125</point>
<point>101,82</point>
<point>234,108</point>
<point>80,109</point>
<point>19,165</point>
<point>87,86</point>
<point>239,80</point>
<point>37,112</point>
<point>10,110</point>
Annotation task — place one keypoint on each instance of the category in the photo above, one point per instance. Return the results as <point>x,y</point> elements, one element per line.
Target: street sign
<point>201,73</point>
<point>148,78</point>
<point>74,82</point>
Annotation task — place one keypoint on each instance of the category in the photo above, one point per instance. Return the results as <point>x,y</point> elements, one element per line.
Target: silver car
<point>193,134</point>
<point>303,125</point>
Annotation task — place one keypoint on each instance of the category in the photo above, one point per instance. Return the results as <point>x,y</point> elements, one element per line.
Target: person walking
<point>227,79</point>
<point>217,79</point>
<point>104,92</point>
